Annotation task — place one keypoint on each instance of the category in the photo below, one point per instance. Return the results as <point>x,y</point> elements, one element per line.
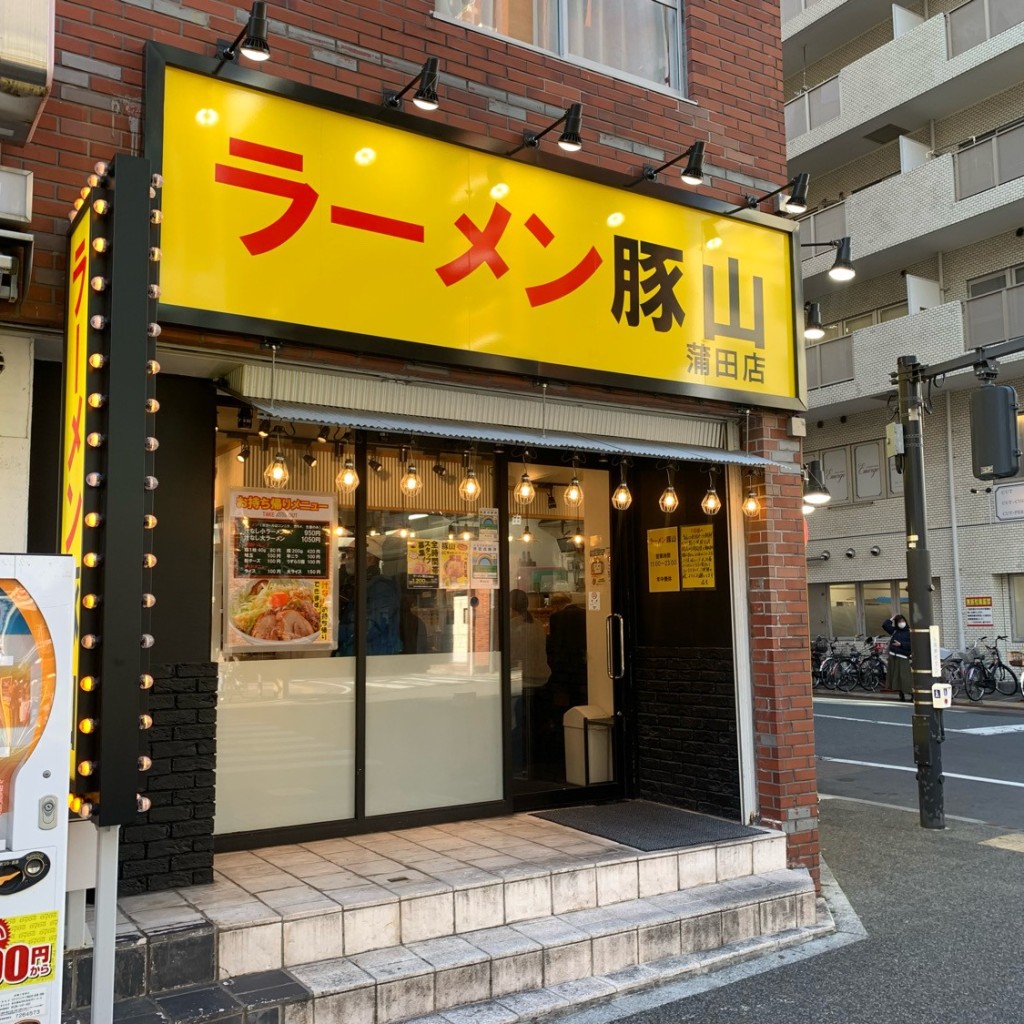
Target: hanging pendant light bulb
<point>527,536</point>
<point>469,486</point>
<point>410,482</point>
<point>751,506</point>
<point>577,537</point>
<point>276,474</point>
<point>524,492</point>
<point>348,479</point>
<point>621,498</point>
<point>712,503</point>
<point>669,500</point>
<point>574,492</point>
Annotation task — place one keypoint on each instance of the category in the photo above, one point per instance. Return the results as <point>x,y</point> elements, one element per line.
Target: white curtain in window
<point>635,36</point>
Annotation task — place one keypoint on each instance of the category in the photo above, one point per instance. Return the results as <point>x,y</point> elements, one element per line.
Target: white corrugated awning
<point>464,431</point>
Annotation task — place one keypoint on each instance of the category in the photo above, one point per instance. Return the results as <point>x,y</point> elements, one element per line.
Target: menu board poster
<point>697,548</point>
<point>663,560</point>
<point>484,572</point>
<point>454,564</point>
<point>423,565</point>
<point>279,575</point>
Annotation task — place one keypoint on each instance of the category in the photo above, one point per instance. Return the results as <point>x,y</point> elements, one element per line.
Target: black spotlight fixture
<point>842,269</point>
<point>251,42</point>
<point>309,459</point>
<point>245,417</point>
<point>795,200</point>
<point>692,173</point>
<point>439,468</point>
<point>569,140</point>
<point>813,331</point>
<point>243,453</point>
<point>264,428</point>
<point>374,463</point>
<point>425,97</point>
<point>323,435</point>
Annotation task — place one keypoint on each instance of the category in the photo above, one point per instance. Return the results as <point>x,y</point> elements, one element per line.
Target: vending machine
<point>37,600</point>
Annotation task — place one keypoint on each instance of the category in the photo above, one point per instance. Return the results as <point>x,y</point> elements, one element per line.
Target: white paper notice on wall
<point>594,600</point>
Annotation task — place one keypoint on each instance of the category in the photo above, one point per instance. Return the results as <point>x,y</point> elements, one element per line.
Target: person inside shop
<point>566,650</point>
<point>900,677</point>
<point>412,629</point>
<point>530,671</point>
<point>383,604</point>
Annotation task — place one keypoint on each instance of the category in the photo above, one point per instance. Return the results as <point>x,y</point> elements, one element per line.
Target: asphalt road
<point>982,757</point>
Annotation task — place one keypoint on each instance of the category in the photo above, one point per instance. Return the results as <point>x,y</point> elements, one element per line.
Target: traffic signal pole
<point>927,720</point>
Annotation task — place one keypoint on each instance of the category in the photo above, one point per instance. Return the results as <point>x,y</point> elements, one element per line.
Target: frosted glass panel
<point>285,742</point>
<point>433,730</point>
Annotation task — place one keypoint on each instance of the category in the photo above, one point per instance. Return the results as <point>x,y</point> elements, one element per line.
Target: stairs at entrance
<point>552,918</point>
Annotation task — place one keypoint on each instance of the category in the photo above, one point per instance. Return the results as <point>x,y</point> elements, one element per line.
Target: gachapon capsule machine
<point>37,600</point>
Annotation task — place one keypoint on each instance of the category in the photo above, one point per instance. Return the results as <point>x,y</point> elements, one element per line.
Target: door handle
<point>613,672</point>
<point>610,668</point>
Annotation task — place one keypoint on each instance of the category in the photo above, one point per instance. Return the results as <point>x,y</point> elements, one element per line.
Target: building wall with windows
<point>935,210</point>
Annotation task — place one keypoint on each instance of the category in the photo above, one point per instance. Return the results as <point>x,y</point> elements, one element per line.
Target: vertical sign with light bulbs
<point>109,454</point>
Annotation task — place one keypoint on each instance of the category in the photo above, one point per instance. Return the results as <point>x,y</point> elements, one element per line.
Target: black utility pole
<point>927,721</point>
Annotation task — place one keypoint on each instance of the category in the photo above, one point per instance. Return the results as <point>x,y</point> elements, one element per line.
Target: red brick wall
<point>783,712</point>
<point>357,48</point>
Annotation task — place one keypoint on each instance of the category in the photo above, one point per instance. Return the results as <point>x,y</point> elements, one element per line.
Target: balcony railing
<point>791,8</point>
<point>989,163</point>
<point>995,317</point>
<point>815,107</point>
<point>823,226</point>
<point>977,20</point>
<point>829,362</point>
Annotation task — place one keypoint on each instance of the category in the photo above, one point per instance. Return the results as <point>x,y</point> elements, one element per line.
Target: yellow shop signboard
<point>281,214</point>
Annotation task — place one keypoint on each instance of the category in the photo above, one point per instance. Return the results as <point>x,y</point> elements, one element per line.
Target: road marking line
<point>990,730</point>
<point>897,807</point>
<point>904,768</point>
<point>979,730</point>
<point>1014,841</point>
<point>869,721</point>
<point>876,702</point>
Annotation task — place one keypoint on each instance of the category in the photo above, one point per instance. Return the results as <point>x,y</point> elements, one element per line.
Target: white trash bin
<point>588,737</point>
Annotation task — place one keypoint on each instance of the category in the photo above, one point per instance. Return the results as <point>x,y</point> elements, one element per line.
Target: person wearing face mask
<point>899,678</point>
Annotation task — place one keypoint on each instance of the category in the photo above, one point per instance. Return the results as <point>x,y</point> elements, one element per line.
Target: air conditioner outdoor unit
<point>26,65</point>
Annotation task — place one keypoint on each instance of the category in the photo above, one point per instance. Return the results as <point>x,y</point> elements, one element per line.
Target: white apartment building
<point>910,121</point>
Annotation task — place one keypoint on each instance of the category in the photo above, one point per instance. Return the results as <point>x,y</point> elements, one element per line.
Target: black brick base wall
<point>172,845</point>
<point>686,725</point>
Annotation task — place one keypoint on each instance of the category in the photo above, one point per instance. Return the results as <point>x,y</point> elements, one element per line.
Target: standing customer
<point>900,676</point>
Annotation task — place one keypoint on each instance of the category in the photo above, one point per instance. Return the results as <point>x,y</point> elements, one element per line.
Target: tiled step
<point>532,965</point>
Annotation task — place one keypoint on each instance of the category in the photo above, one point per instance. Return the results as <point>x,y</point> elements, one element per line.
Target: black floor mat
<point>647,826</point>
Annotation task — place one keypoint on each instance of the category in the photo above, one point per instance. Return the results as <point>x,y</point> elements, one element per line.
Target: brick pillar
<point>171,846</point>
<point>787,793</point>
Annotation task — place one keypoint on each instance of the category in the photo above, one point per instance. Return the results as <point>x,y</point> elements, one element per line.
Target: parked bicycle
<point>988,673</point>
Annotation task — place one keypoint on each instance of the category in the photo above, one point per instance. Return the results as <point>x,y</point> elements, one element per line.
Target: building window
<point>858,472</point>
<point>1017,606</point>
<point>638,39</point>
<point>994,310</point>
<point>859,609</point>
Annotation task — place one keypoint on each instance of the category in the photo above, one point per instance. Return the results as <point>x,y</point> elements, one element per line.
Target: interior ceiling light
<point>410,482</point>
<point>251,42</point>
<point>569,140</point>
<point>347,479</point>
<point>243,453</point>
<point>692,173</point>
<point>524,492</point>
<point>526,537</point>
<point>309,459</point>
<point>425,97</point>
<point>469,486</point>
<point>323,435</point>
<point>813,331</point>
<point>276,474</point>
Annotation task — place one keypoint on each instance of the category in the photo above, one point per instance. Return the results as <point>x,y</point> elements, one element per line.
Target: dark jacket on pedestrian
<point>899,636</point>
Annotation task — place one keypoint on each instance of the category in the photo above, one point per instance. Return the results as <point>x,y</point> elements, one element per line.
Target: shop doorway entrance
<point>566,641</point>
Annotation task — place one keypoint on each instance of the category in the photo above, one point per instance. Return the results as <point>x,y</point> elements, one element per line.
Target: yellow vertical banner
<point>663,560</point>
<point>697,548</point>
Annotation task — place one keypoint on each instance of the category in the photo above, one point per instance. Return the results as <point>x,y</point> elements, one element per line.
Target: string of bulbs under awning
<point>416,427</point>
